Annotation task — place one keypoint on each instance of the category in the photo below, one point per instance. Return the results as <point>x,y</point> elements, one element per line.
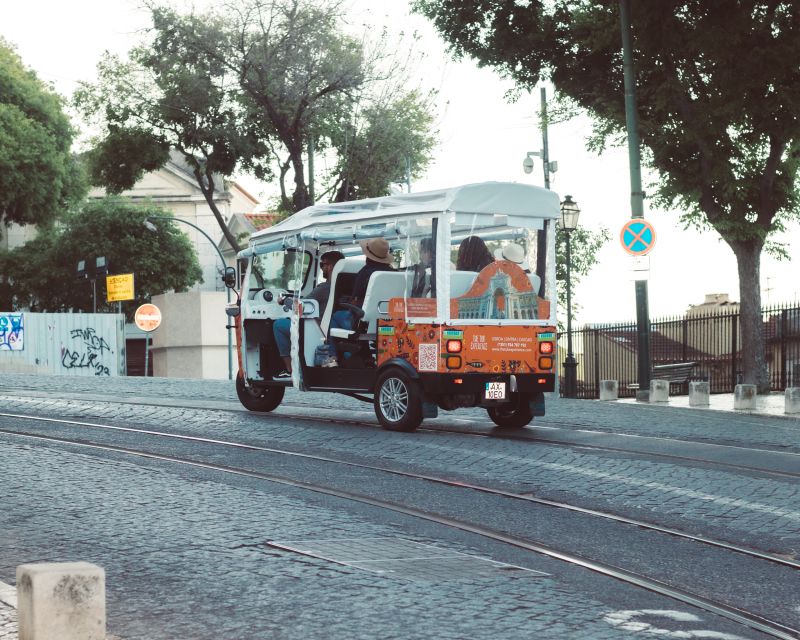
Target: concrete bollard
<point>699,394</point>
<point>792,400</point>
<point>659,391</point>
<point>642,395</point>
<point>609,390</point>
<point>61,601</point>
<point>744,397</point>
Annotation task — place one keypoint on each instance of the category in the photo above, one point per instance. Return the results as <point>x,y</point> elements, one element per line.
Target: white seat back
<point>382,287</point>
<point>460,282</point>
<point>347,265</point>
<point>535,282</point>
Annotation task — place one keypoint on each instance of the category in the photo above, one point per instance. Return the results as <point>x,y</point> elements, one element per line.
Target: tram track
<point>524,497</point>
<point>582,438</point>
<point>749,619</point>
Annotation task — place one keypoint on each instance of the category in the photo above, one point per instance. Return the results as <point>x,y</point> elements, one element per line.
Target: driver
<point>282,326</point>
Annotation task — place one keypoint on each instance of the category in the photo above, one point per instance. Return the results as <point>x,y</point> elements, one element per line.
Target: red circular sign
<point>147,317</point>
<point>637,236</point>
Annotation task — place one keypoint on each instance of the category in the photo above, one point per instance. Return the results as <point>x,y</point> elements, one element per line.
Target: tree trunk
<point>754,363</point>
<point>300,197</point>
<point>207,187</point>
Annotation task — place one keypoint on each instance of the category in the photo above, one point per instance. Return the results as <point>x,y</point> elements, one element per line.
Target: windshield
<point>284,270</point>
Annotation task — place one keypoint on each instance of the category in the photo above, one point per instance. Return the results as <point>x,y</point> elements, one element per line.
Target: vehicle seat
<point>535,282</point>
<point>460,282</point>
<point>382,287</point>
<point>343,278</point>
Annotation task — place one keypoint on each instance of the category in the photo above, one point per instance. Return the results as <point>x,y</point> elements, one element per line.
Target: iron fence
<point>711,340</point>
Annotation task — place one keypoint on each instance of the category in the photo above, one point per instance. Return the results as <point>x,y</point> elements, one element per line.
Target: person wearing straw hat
<point>379,258</point>
<point>513,253</point>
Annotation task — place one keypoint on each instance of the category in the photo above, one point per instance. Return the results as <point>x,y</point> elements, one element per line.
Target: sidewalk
<point>766,405</point>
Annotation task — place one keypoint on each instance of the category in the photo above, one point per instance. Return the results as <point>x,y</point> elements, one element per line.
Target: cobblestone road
<point>185,550</point>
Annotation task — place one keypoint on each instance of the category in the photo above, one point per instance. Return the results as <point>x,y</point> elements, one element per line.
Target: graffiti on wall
<point>12,331</point>
<point>88,353</point>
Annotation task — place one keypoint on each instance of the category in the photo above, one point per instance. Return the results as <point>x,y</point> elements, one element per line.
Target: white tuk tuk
<point>460,312</point>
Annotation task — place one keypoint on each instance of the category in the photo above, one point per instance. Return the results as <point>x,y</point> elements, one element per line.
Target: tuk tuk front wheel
<point>514,415</point>
<point>398,401</point>
<point>258,399</point>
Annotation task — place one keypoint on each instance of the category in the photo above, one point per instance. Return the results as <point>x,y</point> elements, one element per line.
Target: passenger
<point>421,286</point>
<point>473,254</point>
<point>513,253</point>
<point>282,326</point>
<point>379,258</point>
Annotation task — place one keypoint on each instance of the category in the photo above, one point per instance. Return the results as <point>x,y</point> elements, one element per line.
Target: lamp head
<point>569,214</point>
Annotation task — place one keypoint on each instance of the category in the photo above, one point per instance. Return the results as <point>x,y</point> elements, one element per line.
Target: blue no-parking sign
<point>637,236</point>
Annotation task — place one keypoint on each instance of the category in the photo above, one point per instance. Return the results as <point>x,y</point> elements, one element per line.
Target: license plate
<point>495,390</point>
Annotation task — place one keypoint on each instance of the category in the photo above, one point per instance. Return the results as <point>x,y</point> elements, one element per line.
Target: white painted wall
<point>192,341</point>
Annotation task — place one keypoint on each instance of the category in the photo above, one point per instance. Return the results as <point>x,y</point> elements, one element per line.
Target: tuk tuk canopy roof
<point>519,201</point>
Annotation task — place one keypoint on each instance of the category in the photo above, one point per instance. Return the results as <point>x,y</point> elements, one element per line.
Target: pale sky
<point>481,137</point>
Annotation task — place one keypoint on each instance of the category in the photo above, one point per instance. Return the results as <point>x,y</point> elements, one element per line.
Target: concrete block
<point>609,390</point>
<point>792,400</point>
<point>659,391</point>
<point>744,397</point>
<point>61,601</point>
<point>699,394</point>
<point>642,395</point>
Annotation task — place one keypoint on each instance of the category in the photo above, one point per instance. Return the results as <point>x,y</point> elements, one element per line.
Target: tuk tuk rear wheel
<point>398,401</point>
<point>258,398</point>
<point>514,415</point>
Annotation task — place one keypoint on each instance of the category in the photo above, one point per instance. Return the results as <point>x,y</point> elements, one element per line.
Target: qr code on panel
<point>428,357</point>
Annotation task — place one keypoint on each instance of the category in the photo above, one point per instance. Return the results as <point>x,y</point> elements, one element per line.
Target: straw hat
<point>513,253</point>
<point>377,249</point>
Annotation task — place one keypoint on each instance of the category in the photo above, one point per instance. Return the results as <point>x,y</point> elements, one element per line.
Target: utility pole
<point>637,195</point>
<point>310,171</point>
<point>548,168</point>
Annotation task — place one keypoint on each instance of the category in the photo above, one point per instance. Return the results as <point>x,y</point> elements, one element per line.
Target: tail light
<point>453,346</point>
<point>545,347</point>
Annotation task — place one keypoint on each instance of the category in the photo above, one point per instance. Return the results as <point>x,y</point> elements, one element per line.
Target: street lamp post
<point>569,222</point>
<point>152,227</point>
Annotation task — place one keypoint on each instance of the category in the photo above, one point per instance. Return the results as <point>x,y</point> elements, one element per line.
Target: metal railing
<point>711,340</point>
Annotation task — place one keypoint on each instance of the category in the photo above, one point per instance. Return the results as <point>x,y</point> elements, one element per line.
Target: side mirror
<point>229,277</point>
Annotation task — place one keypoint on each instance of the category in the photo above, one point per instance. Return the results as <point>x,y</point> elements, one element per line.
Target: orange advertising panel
<point>476,348</point>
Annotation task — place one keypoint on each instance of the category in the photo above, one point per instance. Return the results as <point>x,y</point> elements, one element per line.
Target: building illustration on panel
<point>498,301</point>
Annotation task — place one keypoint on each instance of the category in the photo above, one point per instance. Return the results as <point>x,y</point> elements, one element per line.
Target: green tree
<point>394,139</point>
<point>43,271</point>
<point>166,98</point>
<point>249,90</point>
<point>584,245</point>
<point>718,93</point>
<point>38,174</point>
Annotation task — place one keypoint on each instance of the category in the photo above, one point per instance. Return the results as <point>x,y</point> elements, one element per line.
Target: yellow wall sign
<point>119,287</point>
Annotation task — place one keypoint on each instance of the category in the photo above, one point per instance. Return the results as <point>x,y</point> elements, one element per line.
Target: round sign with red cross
<point>638,237</point>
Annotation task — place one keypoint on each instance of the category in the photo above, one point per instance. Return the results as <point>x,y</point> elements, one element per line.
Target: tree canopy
<point>251,90</point>
<point>718,93</point>
<point>38,174</point>
<point>42,274</point>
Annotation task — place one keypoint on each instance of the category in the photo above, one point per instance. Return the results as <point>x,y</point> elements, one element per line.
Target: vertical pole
<point>784,329</point>
<point>408,174</point>
<point>94,295</point>
<point>734,349</point>
<point>637,195</point>
<point>541,242</point>
<point>230,339</point>
<point>545,150</point>
<point>570,366</point>
<point>310,169</point>
<point>146,351</point>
